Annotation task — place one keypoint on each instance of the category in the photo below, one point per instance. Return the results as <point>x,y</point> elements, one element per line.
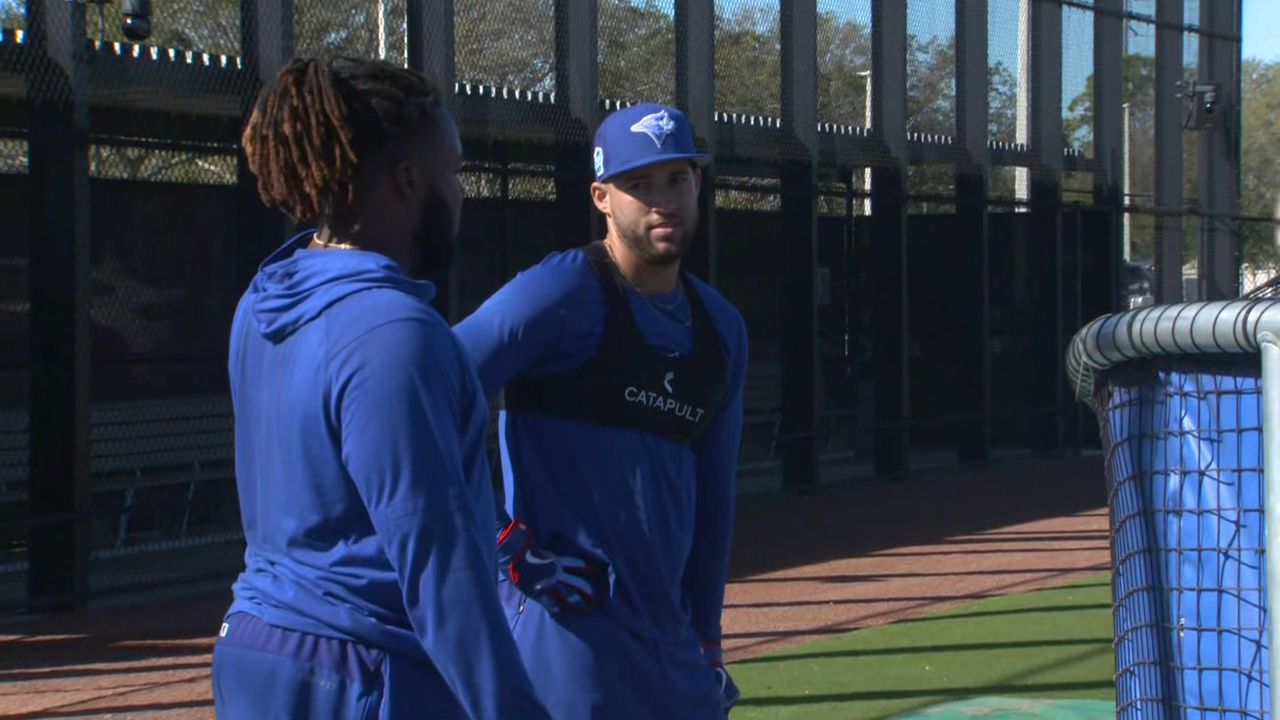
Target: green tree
<point>1139,75</point>
<point>1260,144</point>
<point>1260,166</point>
<point>637,43</point>
<point>748,64</point>
<point>508,44</point>
<point>11,14</point>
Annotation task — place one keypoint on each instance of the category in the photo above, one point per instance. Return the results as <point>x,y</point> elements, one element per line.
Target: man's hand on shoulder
<point>556,581</point>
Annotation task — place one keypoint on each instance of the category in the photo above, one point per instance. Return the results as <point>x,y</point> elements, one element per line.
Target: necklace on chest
<point>662,309</point>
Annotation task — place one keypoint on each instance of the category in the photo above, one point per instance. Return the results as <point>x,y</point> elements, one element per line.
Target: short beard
<point>638,242</point>
<point>435,241</point>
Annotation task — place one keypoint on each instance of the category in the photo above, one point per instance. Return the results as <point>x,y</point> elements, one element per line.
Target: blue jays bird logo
<point>657,126</point>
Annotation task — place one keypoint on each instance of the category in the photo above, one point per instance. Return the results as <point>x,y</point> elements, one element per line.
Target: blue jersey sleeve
<point>707,569</point>
<point>547,318</point>
<point>399,390</point>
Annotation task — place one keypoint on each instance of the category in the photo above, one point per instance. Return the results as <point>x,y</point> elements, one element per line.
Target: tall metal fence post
<point>695,95</point>
<point>1108,123</point>
<point>577,76</point>
<point>1046,218</point>
<point>798,246</point>
<point>1168,152</point>
<point>974,346</point>
<point>266,44</point>
<point>429,50</point>
<point>60,533</point>
<point>889,236</point>
<point>1219,166</point>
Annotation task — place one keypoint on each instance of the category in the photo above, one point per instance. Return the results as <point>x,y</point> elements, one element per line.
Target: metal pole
<point>866,122</point>
<point>1269,345</point>
<point>1124,183</point>
<point>1022,174</point>
<point>382,30</point>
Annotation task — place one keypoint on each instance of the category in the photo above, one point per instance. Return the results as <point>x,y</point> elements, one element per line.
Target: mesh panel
<point>1077,187</point>
<point>1139,94</point>
<point>748,61</point>
<point>1183,458</point>
<point>1077,73</point>
<point>1260,167</point>
<point>14,364</point>
<point>164,502</point>
<point>14,327</point>
<point>1260,272</point>
<point>746,277</point>
<point>1191,140</point>
<point>844,63</point>
<point>205,26</point>
<point>160,140</point>
<point>1007,69</point>
<point>932,188</point>
<point>158,164</point>
<point>844,342</point>
<point>173,241</point>
<point>362,28</point>
<point>637,50</point>
<point>931,68</point>
<point>509,44</point>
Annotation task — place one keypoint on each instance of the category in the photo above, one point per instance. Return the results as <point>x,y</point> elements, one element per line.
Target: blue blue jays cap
<point>642,135</point>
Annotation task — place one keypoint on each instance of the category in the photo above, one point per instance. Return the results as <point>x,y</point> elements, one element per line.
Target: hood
<point>294,285</point>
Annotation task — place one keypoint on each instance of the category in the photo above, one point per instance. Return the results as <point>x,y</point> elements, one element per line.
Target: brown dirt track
<point>803,568</point>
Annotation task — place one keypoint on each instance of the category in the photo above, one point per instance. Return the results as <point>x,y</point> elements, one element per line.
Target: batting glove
<point>555,581</point>
<point>728,689</point>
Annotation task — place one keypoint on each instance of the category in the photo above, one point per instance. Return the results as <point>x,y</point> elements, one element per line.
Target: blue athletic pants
<point>265,672</point>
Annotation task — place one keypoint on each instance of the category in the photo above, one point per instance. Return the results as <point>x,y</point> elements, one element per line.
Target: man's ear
<point>407,180</point>
<point>600,196</point>
<point>697,179</point>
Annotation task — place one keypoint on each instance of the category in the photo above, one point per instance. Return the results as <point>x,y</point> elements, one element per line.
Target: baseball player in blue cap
<point>621,380</point>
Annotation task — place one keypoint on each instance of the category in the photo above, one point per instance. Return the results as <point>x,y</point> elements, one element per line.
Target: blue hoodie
<point>364,486</point>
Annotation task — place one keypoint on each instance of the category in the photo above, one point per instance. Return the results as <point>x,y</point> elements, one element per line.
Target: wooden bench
<point>148,460</point>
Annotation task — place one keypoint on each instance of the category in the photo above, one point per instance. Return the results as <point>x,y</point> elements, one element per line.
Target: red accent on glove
<point>502,536</point>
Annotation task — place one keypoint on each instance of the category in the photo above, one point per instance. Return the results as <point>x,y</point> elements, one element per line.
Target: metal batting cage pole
<point>1270,347</point>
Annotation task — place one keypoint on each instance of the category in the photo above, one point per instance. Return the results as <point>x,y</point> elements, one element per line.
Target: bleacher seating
<point>762,416</point>
<point>153,454</point>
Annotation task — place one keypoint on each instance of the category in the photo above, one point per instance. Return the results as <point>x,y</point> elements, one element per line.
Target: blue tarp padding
<point>1186,510</point>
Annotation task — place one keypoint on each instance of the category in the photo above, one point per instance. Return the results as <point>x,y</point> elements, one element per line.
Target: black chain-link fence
<point>935,160</point>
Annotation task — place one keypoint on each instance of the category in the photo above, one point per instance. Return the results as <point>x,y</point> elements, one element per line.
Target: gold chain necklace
<point>662,309</point>
<point>315,238</point>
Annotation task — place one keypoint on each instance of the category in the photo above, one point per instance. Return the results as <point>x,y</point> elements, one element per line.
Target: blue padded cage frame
<point>1188,399</point>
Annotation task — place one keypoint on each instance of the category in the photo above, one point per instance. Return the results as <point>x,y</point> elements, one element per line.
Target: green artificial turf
<point>1051,643</point>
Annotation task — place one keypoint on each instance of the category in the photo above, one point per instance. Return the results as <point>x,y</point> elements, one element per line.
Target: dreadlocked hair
<point>308,131</point>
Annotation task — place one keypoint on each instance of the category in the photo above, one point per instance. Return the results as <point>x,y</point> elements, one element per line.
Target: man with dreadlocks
<point>369,588</point>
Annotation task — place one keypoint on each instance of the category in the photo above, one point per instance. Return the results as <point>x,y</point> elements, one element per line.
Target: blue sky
<point>1262,29</point>
<point>926,18</point>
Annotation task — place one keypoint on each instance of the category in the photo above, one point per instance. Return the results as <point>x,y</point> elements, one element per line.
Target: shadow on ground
<point>789,531</point>
<point>149,659</point>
